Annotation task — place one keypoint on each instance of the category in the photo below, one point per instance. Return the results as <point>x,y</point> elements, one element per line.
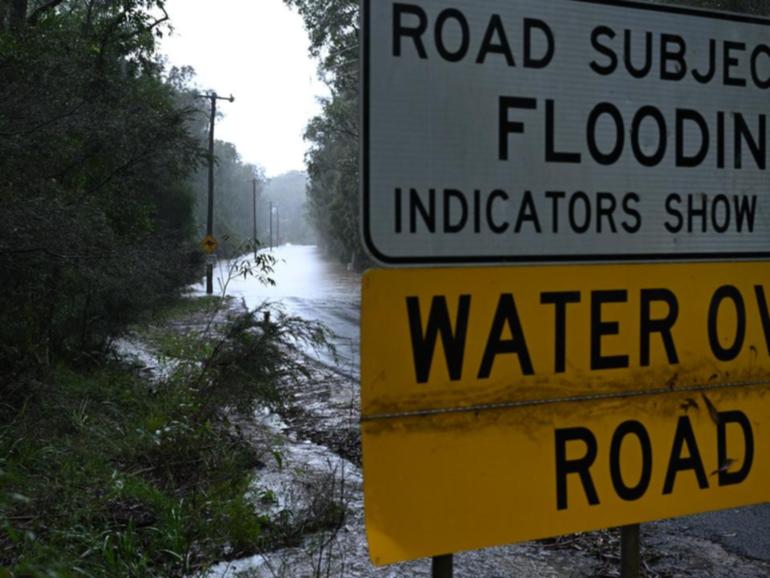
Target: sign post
<point>442,566</point>
<point>624,145</point>
<point>630,555</point>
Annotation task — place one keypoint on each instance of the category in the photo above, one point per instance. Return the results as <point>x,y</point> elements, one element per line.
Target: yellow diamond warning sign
<point>209,244</point>
<point>510,404</point>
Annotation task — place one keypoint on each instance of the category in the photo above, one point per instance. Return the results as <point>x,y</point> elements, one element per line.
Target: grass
<point>102,478</point>
<point>105,474</point>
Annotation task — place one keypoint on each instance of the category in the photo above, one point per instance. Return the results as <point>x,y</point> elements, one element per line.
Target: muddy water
<point>315,288</point>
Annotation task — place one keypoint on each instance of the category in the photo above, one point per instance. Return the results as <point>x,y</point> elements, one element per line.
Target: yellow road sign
<point>209,244</point>
<point>508,404</point>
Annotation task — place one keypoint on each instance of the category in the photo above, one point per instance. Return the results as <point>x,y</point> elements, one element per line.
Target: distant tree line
<point>332,161</point>
<point>287,193</point>
<point>101,163</point>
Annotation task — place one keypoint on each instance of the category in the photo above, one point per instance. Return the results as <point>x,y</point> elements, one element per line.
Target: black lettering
<point>400,30</point>
<point>606,205</point>
<point>759,82</point>
<point>580,466</point>
<point>600,157</point>
<point>636,144</point>
<point>726,477</point>
<point>551,154</point>
<point>428,213</point>
<point>624,492</point>
<point>560,300</point>
<point>493,196</point>
<point>758,149</point>
<point>648,326</point>
<point>720,140</point>
<point>462,50</point>
<point>506,315</point>
<point>745,212</point>
<point>398,210</point>
<point>684,436</point>
<point>555,197</point>
<point>511,127</point>
<point>600,328</point>
<point>424,342</point>
<point>502,46</point>
<point>725,224</point>
<point>727,353</point>
<point>645,69</point>
<point>596,34</point>
<point>693,212</point>
<point>527,213</point>
<point>530,61</point>
<point>459,225</point>
<point>672,50</point>
<point>764,314</point>
<point>712,69</point>
<point>674,212</point>
<point>682,158</point>
<point>577,227</point>
<point>729,62</point>
<point>631,212</point>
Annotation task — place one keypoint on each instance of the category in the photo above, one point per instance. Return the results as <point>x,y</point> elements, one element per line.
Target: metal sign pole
<point>442,566</point>
<point>629,551</point>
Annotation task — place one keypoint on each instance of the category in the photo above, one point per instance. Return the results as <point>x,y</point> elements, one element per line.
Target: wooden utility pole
<point>254,198</point>
<point>278,226</point>
<point>213,97</point>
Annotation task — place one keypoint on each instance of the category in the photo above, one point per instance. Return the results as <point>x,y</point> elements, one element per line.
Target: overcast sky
<point>256,50</point>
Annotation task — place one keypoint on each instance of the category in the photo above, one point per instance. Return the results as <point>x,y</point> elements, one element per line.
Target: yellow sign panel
<point>509,404</point>
<point>209,244</point>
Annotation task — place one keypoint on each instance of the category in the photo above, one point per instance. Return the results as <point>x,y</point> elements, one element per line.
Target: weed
<point>105,474</point>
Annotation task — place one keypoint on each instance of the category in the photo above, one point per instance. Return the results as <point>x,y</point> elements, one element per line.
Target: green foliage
<point>258,353</point>
<point>233,197</point>
<point>288,193</point>
<point>97,219</point>
<point>103,474</point>
<point>104,477</point>
<point>332,161</point>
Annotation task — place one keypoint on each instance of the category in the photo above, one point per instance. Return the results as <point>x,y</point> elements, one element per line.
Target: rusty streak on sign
<point>511,404</point>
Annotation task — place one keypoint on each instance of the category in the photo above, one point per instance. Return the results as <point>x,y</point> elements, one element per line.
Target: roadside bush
<point>103,473</point>
<point>97,220</point>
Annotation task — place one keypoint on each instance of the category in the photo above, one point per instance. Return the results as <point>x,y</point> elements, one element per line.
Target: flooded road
<point>318,442</point>
<point>316,288</point>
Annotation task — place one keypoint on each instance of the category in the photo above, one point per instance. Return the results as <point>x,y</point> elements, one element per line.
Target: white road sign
<point>566,130</point>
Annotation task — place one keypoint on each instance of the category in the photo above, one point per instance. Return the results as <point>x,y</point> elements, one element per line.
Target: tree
<point>94,152</point>
<point>332,161</point>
